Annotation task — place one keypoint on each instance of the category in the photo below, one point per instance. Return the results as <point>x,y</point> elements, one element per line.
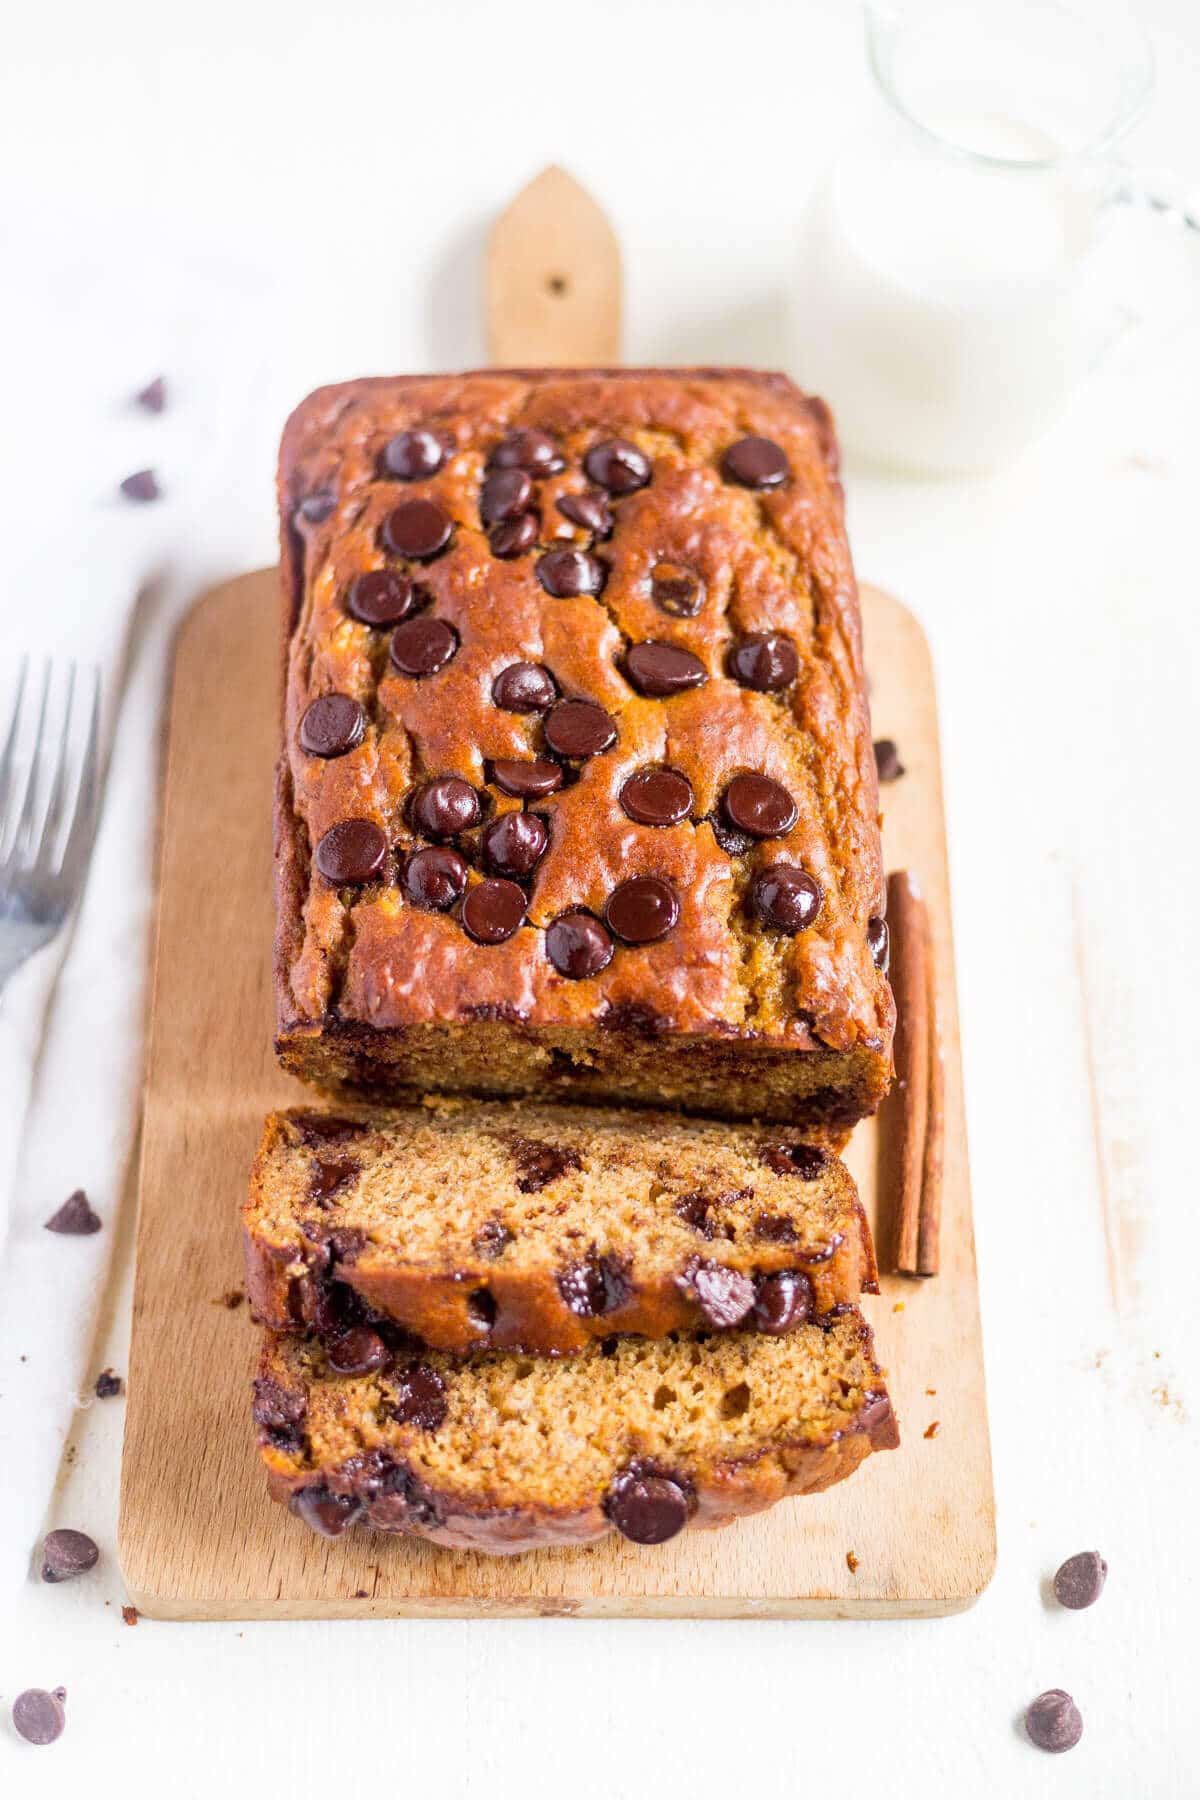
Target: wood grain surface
<point>553,279</point>
<point>911,1534</point>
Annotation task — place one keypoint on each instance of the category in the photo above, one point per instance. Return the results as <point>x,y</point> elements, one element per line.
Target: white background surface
<point>338,166</point>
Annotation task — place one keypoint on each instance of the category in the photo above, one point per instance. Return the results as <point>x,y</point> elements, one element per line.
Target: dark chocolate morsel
<point>526,780</point>
<point>380,597</point>
<point>351,852</point>
<point>657,797</point>
<point>420,1398</point>
<point>414,455</point>
<point>642,910</point>
<point>806,1160</point>
<point>328,1175</point>
<point>524,688</point>
<point>538,1163</point>
<point>565,573</point>
<point>759,806</point>
<point>358,1351</point>
<point>590,511</point>
<point>617,465</point>
<point>661,669</point>
<point>74,1217</point>
<point>879,943</point>
<point>765,661</point>
<point>492,1239</point>
<point>783,1301</point>
<point>419,529</point>
<point>332,725</point>
<point>786,897</point>
<point>435,877</point>
<point>579,728</point>
<point>153,397</point>
<point>647,1508</point>
<point>443,808</point>
<point>724,1295</point>
<point>514,536</point>
<point>1053,1721</point>
<point>144,486</point>
<point>528,449</point>
<point>755,462</point>
<point>422,646</point>
<point>676,590</point>
<point>108,1385</point>
<point>578,945</point>
<point>66,1554</point>
<point>514,843</point>
<point>505,494</point>
<point>888,766</point>
<point>594,1287</point>
<point>493,910</point>
<point>328,1514</point>
<point>1080,1580</point>
<point>38,1714</point>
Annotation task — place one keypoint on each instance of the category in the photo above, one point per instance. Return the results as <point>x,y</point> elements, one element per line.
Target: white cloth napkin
<point>104,580</point>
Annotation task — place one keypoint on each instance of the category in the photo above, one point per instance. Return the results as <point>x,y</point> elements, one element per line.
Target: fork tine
<point>79,836</point>
<point>23,840</point>
<point>58,793</point>
<point>8,756</point>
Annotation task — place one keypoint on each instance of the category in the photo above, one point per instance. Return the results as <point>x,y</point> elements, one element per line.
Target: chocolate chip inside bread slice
<point>503,1453</point>
<point>476,1225</point>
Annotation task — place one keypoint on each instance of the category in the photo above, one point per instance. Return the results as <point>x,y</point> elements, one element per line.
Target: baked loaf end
<point>477,1225</point>
<point>577,796</point>
<point>503,1454</point>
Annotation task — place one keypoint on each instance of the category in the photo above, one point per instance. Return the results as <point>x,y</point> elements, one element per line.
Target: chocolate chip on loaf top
<point>578,789</point>
<point>477,1225</point>
<point>501,1453</point>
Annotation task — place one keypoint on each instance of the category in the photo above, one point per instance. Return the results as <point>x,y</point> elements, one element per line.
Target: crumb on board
<point>130,1614</point>
<point>931,1390</point>
<point>931,1431</point>
<point>231,1298</point>
<point>898,1306</point>
<point>851,1561</point>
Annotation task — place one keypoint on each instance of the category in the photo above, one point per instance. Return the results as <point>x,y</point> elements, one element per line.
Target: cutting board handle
<point>553,279</point>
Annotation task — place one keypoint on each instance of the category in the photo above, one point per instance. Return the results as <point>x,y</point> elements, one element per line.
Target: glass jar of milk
<point>945,305</point>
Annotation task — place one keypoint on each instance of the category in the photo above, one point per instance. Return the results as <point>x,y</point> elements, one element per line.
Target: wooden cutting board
<point>198,1537</point>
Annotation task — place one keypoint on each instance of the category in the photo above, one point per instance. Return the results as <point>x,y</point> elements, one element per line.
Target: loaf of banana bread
<point>502,1453</point>
<point>577,796</point>
<point>508,1226</point>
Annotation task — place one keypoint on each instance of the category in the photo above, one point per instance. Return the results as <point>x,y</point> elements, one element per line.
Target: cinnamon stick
<point>909,972</point>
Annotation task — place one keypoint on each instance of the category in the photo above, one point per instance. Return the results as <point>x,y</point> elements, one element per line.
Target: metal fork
<point>47,812</point>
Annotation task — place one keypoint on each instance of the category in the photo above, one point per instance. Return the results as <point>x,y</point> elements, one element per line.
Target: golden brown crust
<point>372,990</point>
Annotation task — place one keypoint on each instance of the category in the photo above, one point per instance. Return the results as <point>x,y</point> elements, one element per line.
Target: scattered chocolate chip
<point>328,1514</point>
<point>759,806</point>
<point>887,760</point>
<point>723,1295</point>
<point>538,1164</point>
<point>142,486</point>
<point>514,843</point>
<point>1053,1721</point>
<point>642,910</point>
<point>420,1398</point>
<point>380,597</point>
<point>783,1301</point>
<point>505,494</point>
<point>414,455</point>
<point>524,448</point>
<point>657,797</point>
<point>524,688</point>
<point>1080,1581</point>
<point>765,661</point>
<point>806,1160</point>
<point>153,397</point>
<point>329,1175</point>
<point>578,945</point>
<point>660,669</point>
<point>108,1384</point>
<point>74,1217</point>
<point>527,780</point>
<point>422,646</point>
<point>435,878</point>
<point>879,943</point>
<point>130,1615</point>
<point>351,852</point>
<point>332,725</point>
<point>591,511</point>
<point>66,1554</point>
<point>617,465</point>
<point>594,1287</point>
<point>579,728</point>
<point>314,509</point>
<point>565,573</point>
<point>514,536</point>
<point>420,529</point>
<point>443,808</point>
<point>359,1351</point>
<point>232,1298</point>
<point>493,910</point>
<point>492,1239</point>
<point>39,1715</point>
<point>786,897</point>
<point>755,462</point>
<point>676,590</point>
<point>647,1508</point>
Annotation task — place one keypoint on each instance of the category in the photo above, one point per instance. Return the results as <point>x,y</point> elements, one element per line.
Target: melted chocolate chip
<point>647,1508</point>
<point>534,451</point>
<point>696,1210</point>
<point>279,1412</point>
<point>329,1175</point>
<point>591,511</point>
<point>676,590</point>
<point>1053,1721</point>
<point>328,1514</point>
<point>579,728</point>
<point>657,797</point>
<point>642,910</point>
<point>359,1351</point>
<point>420,1398</point>
<point>505,494</point>
<point>565,573</point>
<point>493,910</point>
<point>783,1301</point>
<point>422,646</point>
<point>808,1161</point>
<point>617,465</point>
<point>594,1287</point>
<point>443,808</point>
<point>1080,1580</point>
<point>492,1239</point>
<point>786,897</point>
<point>66,1554</point>
<point>514,536</point>
<point>380,597</point>
<point>660,669</point>
<point>879,943</point>
<point>414,455</point>
<point>325,1128</point>
<point>351,852</point>
<point>514,843</point>
<point>419,529</point>
<point>765,661</point>
<point>39,1716</point>
<point>527,780</point>
<point>435,878</point>
<point>524,688</point>
<point>578,945</point>
<point>538,1164</point>
<point>144,486</point>
<point>332,725</point>
<point>346,1243</point>
<point>755,462</point>
<point>888,766</point>
<point>723,1295</point>
<point>74,1217</point>
<point>759,806</point>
